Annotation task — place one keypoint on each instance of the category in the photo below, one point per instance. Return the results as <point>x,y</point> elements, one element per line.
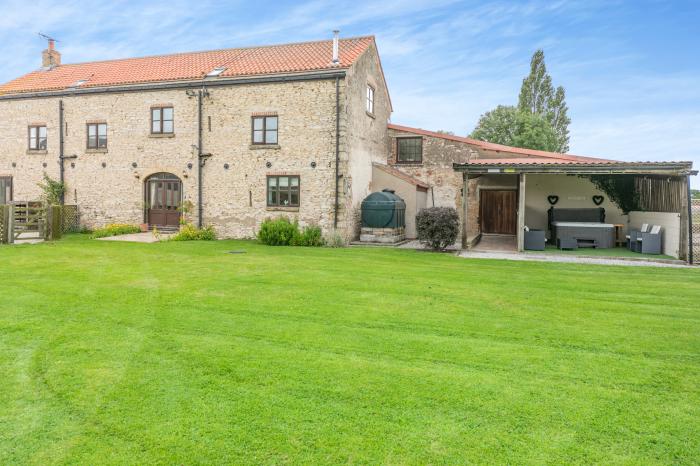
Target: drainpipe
<point>200,209</point>
<point>337,149</point>
<point>690,221</point>
<point>60,148</point>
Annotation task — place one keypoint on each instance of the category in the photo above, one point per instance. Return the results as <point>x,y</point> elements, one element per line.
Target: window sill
<point>265,146</point>
<point>281,209</point>
<point>161,135</point>
<point>96,151</point>
<point>370,114</point>
<point>37,152</point>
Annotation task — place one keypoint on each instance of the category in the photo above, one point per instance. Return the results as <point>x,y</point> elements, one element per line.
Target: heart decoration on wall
<point>553,199</point>
<point>598,200</point>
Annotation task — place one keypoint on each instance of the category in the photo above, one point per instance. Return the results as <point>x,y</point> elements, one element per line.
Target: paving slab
<point>147,237</point>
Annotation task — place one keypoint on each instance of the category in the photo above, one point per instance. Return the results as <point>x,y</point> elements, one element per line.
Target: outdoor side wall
<point>367,139</point>
<point>437,172</point>
<point>234,198</point>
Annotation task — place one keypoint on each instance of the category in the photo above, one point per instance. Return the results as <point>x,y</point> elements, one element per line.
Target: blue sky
<point>631,69</point>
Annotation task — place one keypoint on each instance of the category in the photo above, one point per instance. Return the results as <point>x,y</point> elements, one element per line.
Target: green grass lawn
<point>179,353</point>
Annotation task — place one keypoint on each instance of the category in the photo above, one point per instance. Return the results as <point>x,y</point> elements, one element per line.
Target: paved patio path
<point>147,237</point>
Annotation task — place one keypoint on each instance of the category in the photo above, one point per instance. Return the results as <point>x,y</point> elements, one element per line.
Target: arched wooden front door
<point>163,200</point>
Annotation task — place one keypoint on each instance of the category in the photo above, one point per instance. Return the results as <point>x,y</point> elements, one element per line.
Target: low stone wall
<point>382,235</point>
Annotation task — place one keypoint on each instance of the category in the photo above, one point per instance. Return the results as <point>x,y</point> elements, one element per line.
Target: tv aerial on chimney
<point>48,38</point>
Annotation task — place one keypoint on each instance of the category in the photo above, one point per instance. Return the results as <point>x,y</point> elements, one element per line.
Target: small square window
<point>162,120</point>
<point>264,130</point>
<point>97,135</point>
<point>37,138</point>
<point>409,150</point>
<point>283,191</point>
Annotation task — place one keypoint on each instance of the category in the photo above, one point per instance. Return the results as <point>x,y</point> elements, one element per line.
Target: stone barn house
<point>299,129</point>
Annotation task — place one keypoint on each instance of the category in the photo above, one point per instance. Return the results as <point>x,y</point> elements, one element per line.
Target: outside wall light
<point>226,166</point>
<point>268,164</point>
<point>134,164</point>
<point>104,164</point>
<point>43,164</point>
<point>189,165</point>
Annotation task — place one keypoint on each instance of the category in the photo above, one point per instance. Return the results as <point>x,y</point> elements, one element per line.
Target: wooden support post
<point>11,225</point>
<point>521,212</point>
<point>4,210</point>
<point>465,210</point>
<point>685,245</point>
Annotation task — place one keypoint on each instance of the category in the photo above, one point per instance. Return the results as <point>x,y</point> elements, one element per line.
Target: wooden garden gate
<point>30,220</point>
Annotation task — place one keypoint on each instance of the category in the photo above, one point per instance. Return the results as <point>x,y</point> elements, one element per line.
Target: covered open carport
<point>503,198</point>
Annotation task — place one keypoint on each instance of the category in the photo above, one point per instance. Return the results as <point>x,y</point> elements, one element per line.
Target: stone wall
<point>436,170</point>
<point>108,185</point>
<point>367,135</point>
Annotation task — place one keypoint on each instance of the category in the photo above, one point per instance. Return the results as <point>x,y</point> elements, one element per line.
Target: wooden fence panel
<point>659,194</point>
<point>4,223</point>
<point>70,219</point>
<point>695,222</point>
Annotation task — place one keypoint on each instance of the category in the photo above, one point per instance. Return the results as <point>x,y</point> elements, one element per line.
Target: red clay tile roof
<point>531,156</point>
<point>252,61</point>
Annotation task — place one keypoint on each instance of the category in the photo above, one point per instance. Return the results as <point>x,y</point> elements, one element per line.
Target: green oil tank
<point>383,210</point>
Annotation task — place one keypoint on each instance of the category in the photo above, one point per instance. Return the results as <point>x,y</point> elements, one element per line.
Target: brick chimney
<point>50,57</point>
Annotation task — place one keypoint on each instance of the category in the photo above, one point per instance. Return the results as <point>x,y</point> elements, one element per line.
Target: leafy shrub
<point>309,236</point>
<point>115,229</point>
<point>283,232</point>
<point>190,232</point>
<point>278,232</point>
<point>438,227</point>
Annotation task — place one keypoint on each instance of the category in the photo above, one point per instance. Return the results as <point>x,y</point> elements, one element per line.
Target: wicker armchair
<point>634,234</point>
<point>649,242</point>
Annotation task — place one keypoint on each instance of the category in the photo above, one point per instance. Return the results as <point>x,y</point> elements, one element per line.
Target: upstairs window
<point>283,191</point>
<point>97,135</point>
<point>409,150</point>
<point>37,138</point>
<point>265,130</point>
<point>370,99</point>
<point>162,120</point>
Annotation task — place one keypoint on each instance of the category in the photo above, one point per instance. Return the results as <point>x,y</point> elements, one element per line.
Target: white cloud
<point>446,61</point>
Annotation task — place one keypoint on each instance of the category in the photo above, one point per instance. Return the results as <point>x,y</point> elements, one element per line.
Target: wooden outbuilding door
<point>163,199</point>
<point>5,189</point>
<point>499,211</point>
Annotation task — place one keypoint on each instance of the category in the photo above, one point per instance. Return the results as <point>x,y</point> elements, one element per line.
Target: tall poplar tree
<point>538,97</point>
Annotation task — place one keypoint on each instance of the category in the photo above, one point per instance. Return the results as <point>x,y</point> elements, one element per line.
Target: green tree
<point>538,97</point>
<point>509,126</point>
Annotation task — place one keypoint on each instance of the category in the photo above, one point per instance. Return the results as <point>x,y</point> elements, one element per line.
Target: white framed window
<point>370,99</point>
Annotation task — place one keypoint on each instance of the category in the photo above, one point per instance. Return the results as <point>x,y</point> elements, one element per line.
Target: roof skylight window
<point>216,72</point>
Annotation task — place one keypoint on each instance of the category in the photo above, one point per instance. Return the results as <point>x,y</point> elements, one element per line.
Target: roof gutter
<point>658,168</point>
<point>332,74</point>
